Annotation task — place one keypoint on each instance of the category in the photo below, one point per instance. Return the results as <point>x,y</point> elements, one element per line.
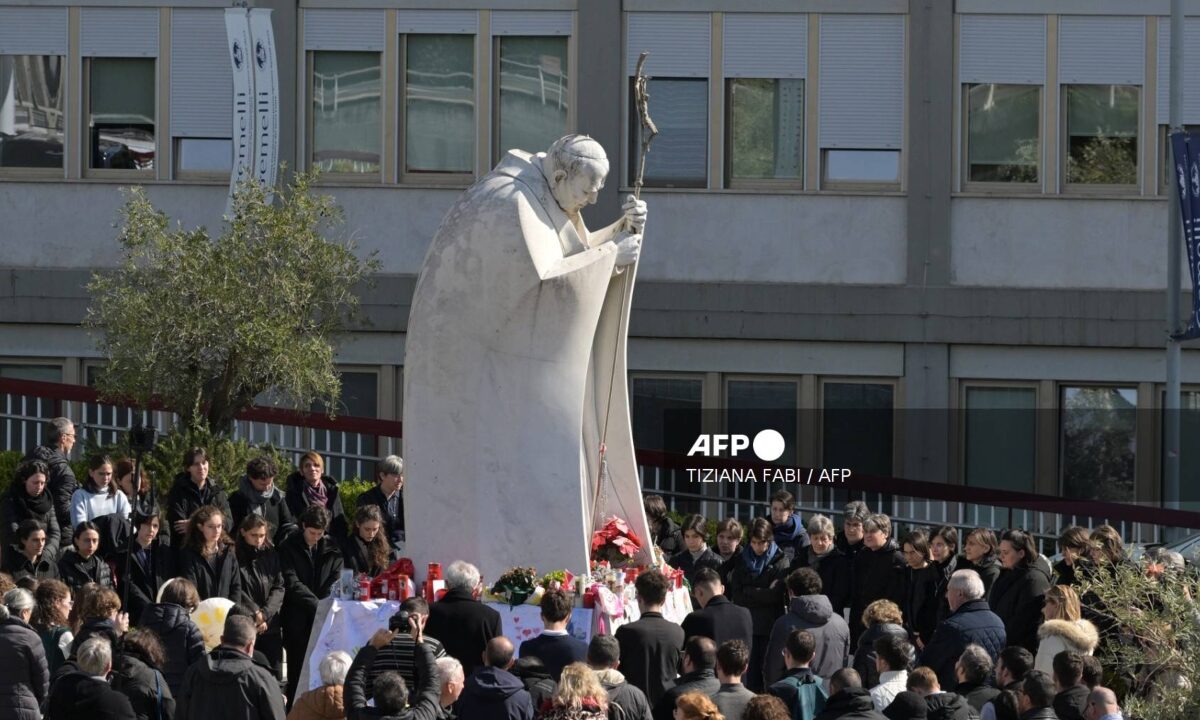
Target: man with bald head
<point>1102,705</point>
<point>492,692</point>
<point>517,329</point>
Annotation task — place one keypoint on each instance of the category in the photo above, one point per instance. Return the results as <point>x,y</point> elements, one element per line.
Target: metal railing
<point>352,445</point>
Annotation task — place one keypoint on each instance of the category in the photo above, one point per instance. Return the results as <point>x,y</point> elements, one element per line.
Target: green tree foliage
<point>206,325</point>
<point>1155,659</point>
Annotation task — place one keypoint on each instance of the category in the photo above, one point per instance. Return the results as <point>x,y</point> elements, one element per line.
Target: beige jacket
<point>1055,636</point>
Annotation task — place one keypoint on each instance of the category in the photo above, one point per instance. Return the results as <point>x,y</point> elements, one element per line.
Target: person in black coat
<point>1020,591</point>
<point>208,558</point>
<point>391,697</point>
<point>29,499</point>
<point>664,531</point>
<point>388,496</point>
<point>257,495</point>
<point>876,569</point>
<point>824,556</point>
<point>262,587</point>
<point>81,564</point>
<point>310,486</point>
<point>971,622</point>
<point>788,526</point>
<point>850,538</point>
<point>696,553</point>
<point>717,618</point>
<point>882,618</point>
<point>651,645</point>
<point>192,490</point>
<point>555,647</point>
<point>979,554</point>
<point>83,693</point>
<point>151,564</point>
<point>366,550</point>
<point>55,454</point>
<point>917,588</point>
<point>943,550</point>
<point>135,675</point>
<point>756,581</point>
<point>848,699</point>
<point>312,564</point>
<point>170,620</point>
<point>28,557</point>
<point>699,675</point>
<point>460,621</point>
<point>24,678</point>
<point>1074,543</point>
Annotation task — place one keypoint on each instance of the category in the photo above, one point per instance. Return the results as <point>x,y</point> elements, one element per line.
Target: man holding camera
<point>400,654</point>
<point>393,700</point>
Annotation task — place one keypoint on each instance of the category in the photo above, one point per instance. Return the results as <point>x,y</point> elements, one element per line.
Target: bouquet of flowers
<point>615,543</point>
<point>558,580</point>
<point>516,585</point>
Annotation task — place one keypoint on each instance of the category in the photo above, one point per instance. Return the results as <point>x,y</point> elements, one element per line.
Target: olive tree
<point>205,325</point>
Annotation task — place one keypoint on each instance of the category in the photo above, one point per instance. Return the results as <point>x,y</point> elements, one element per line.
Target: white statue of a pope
<point>517,330</point>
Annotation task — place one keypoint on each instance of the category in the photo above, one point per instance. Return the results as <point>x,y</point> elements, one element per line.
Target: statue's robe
<point>518,325</point>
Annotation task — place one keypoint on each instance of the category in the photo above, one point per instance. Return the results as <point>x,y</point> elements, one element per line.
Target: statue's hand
<point>629,248</point>
<point>635,213</point>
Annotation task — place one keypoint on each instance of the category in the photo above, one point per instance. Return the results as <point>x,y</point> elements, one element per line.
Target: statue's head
<point>576,170</point>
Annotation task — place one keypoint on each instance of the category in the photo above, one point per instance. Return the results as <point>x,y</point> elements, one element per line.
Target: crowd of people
<point>794,620</point>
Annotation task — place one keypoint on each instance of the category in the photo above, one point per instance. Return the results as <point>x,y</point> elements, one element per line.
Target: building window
<point>1002,133</point>
<point>204,155</point>
<point>1166,164</point>
<point>1099,442</point>
<point>680,155</point>
<point>756,405</point>
<point>121,113</point>
<point>857,426</point>
<point>31,111</point>
<point>862,166</point>
<point>533,92</point>
<point>1189,456</point>
<point>347,124</point>
<point>766,129</point>
<point>1102,134</point>
<point>439,104</point>
<point>1000,441</point>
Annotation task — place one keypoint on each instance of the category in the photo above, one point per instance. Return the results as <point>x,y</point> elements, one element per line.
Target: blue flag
<point>1185,147</point>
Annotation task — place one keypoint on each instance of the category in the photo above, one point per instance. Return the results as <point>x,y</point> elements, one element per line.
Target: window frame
<point>1017,188</point>
<point>897,412</point>
<point>633,136</point>
<point>960,431</point>
<point>1060,388</point>
<point>766,184</point>
<point>862,186</point>
<point>341,178</point>
<point>198,176</point>
<point>1064,147</point>
<point>1164,155</point>
<point>494,93</point>
<point>85,144</point>
<point>17,172</point>
<point>449,179</point>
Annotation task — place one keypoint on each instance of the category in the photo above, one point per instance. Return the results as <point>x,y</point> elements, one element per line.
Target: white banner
<point>266,98</point>
<point>237,29</point>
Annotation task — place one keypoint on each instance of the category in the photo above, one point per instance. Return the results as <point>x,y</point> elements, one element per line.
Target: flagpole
<point>1174,249</point>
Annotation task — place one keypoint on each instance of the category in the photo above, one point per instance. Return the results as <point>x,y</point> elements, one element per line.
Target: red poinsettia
<point>615,542</point>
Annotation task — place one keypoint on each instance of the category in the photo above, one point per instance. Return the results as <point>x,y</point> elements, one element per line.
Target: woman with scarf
<point>696,553</point>
<point>208,558</point>
<point>262,585</point>
<point>99,495</point>
<point>788,526</point>
<point>310,486</point>
<point>258,495</point>
<point>80,564</point>
<point>824,556</point>
<point>756,582</point>
<point>28,499</point>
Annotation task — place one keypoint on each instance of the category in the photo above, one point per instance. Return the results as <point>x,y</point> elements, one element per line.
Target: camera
<point>399,622</point>
<point>142,437</point>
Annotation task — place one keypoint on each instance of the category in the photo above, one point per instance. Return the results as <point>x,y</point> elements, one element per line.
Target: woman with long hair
<point>579,696</point>
<point>52,621</point>
<point>27,558</point>
<point>918,588</point>
<point>28,499</point>
<point>696,706</point>
<point>755,581</point>
<point>138,497</point>
<point>695,554</point>
<point>1020,590</point>
<point>170,619</point>
<point>100,616</point>
<point>1075,544</point>
<point>1063,628</point>
<point>208,558</point>
<point>943,549</point>
<point>136,662</point>
<point>979,554</point>
<point>310,486</point>
<point>367,549</point>
<point>262,585</point>
<point>151,563</point>
<point>81,564</point>
<point>99,495</point>
<point>663,530</point>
